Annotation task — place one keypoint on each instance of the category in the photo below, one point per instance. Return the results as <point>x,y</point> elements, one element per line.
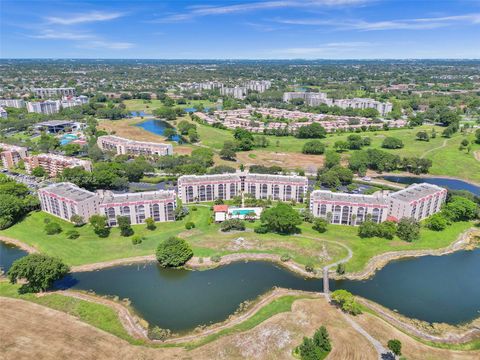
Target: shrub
<point>282,219</point>
<point>408,229</point>
<point>261,229</point>
<point>315,348</point>
<point>150,223</point>
<point>124,225</point>
<point>309,267</point>
<point>392,143</point>
<point>437,222</point>
<point>77,220</point>
<point>73,234</point>
<point>137,239</point>
<point>395,346</point>
<point>320,225</point>
<point>173,252</point>
<point>52,228</point>
<point>341,269</point>
<point>157,333</point>
<point>460,209</point>
<point>285,257</point>
<point>346,301</point>
<point>215,258</point>
<point>370,229</point>
<point>315,147</point>
<point>40,271</point>
<point>233,224</point>
<point>194,208</point>
<point>189,225</point>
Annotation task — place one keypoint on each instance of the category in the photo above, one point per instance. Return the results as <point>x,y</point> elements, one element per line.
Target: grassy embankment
<point>207,240</point>
<point>148,106</point>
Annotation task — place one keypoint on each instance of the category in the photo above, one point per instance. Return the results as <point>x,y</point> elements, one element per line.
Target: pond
<point>158,127</point>
<point>433,289</point>
<point>8,254</point>
<point>453,184</point>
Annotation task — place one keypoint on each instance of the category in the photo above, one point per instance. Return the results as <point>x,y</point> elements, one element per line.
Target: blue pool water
<point>242,212</point>
<point>67,138</point>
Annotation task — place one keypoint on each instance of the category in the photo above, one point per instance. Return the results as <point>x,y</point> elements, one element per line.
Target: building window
<point>140,211</point>
<point>276,192</point>
<point>288,192</point>
<point>323,210</point>
<point>202,192</point>
<point>336,214</point>
<point>209,192</point>
<point>376,215</point>
<point>190,193</point>
<point>233,190</point>
<point>300,191</point>
<point>170,212</point>
<point>156,212</point>
<point>263,191</point>
<point>65,210</point>
<point>221,191</point>
<point>360,215</point>
<point>345,215</point>
<point>110,213</point>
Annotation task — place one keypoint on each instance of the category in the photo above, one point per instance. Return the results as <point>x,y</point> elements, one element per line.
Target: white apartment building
<point>192,188</point>
<point>66,199</point>
<point>418,201</point>
<point>15,103</point>
<point>315,99</point>
<point>10,155</point>
<point>159,205</point>
<point>348,209</point>
<point>45,93</point>
<point>3,113</point>
<point>71,101</point>
<point>237,92</point>
<point>258,85</point>
<point>54,164</point>
<point>123,146</point>
<point>46,107</point>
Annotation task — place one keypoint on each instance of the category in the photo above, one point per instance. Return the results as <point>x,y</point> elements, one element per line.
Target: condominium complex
<point>159,205</point>
<point>238,92</point>
<point>258,85</point>
<point>315,99</point>
<point>417,201</point>
<point>132,147</point>
<point>71,101</point>
<point>205,85</point>
<point>11,155</point>
<point>46,107</point>
<point>67,199</point>
<point>193,188</point>
<point>3,113</point>
<point>348,209</point>
<point>15,103</point>
<point>54,164</point>
<point>45,93</point>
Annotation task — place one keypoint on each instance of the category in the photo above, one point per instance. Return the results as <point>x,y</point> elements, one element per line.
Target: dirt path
<point>111,263</point>
<point>18,243</point>
<point>379,261</point>
<point>444,143</point>
<point>477,154</point>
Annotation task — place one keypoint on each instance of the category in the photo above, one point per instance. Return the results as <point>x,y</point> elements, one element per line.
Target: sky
<point>231,29</point>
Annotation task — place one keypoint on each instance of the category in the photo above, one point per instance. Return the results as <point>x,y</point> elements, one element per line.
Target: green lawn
<point>150,105</point>
<point>207,240</point>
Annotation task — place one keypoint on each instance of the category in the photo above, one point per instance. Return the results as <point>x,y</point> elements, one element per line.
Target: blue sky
<point>271,29</point>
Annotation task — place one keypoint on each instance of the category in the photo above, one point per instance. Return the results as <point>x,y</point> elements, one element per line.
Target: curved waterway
<point>453,184</point>
<point>430,288</point>
<point>158,127</point>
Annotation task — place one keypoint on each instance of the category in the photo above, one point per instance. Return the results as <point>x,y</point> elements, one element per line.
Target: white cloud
<point>62,35</point>
<point>206,10</point>
<point>324,50</point>
<point>111,45</point>
<point>93,16</point>
<point>403,24</point>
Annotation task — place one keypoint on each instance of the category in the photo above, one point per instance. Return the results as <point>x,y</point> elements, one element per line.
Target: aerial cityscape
<point>253,179</point>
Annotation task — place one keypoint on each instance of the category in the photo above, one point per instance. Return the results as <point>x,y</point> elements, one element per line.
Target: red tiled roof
<point>220,208</point>
<point>392,218</point>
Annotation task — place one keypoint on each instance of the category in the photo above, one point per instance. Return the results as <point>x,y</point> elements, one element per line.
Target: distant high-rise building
<point>45,93</point>
<point>237,92</point>
<point>71,101</point>
<point>46,107</point>
<point>15,103</point>
<point>54,164</point>
<point>10,155</point>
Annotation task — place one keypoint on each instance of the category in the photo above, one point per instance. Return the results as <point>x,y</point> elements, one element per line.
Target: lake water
<point>453,184</point>
<point>158,127</point>
<point>8,254</point>
<point>433,289</point>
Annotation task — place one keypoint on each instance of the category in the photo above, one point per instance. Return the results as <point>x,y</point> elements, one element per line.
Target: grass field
<point>149,105</point>
<point>207,240</point>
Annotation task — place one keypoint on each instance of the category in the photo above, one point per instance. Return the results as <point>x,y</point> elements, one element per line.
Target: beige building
<point>55,164</point>
<point>45,93</point>
<point>66,199</point>
<point>11,155</point>
<point>192,188</point>
<point>123,146</point>
<point>418,201</point>
<point>158,205</point>
<point>348,209</point>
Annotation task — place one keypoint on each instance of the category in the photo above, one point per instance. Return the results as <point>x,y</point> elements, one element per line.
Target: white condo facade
<point>15,103</point>
<point>66,199</point>
<point>417,201</point>
<point>193,188</point>
<point>122,146</point>
<point>45,93</point>
<point>3,113</point>
<point>46,107</point>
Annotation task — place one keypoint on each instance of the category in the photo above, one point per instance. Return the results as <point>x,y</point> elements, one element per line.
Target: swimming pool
<point>242,211</point>
<point>67,138</point>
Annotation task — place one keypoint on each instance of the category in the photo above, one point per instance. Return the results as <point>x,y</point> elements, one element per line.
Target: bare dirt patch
<point>286,160</point>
